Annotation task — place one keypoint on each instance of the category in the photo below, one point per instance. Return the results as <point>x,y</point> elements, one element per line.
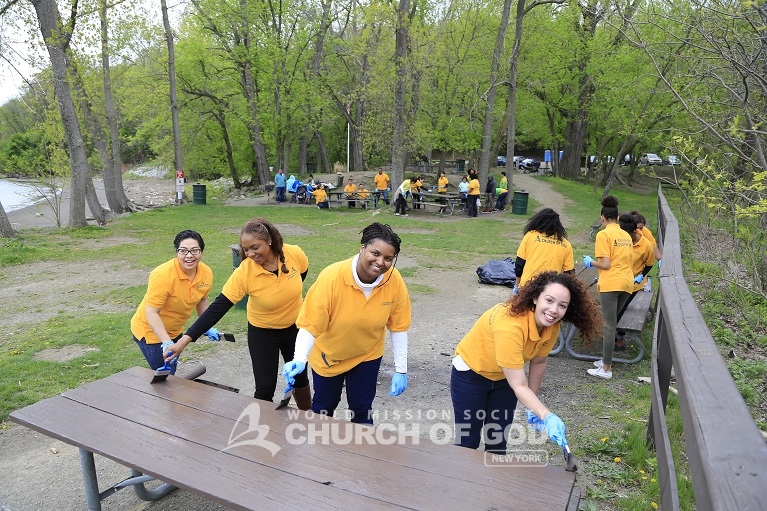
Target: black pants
<point>400,205</point>
<point>471,205</point>
<point>265,346</point>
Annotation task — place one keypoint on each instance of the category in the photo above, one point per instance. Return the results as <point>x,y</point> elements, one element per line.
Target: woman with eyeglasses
<point>341,348</point>
<point>271,275</point>
<point>175,290</point>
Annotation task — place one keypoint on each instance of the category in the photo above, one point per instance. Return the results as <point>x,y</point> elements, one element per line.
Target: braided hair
<point>546,221</point>
<point>265,230</point>
<point>383,232</point>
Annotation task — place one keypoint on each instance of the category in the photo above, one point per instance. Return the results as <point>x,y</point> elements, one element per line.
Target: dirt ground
<point>40,473</point>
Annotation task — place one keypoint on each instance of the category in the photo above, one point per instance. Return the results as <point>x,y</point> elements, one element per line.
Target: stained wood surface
<point>636,313</point>
<point>179,432</point>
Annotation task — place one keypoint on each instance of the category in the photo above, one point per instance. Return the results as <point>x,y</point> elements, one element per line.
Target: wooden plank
<point>220,476</point>
<point>366,475</point>
<point>636,313</point>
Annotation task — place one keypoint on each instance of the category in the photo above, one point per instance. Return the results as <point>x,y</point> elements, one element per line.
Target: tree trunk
<point>49,20</point>
<point>323,156</point>
<point>113,175</point>
<point>178,159</point>
<point>511,106</point>
<point>302,152</point>
<point>6,229</point>
<point>398,154</point>
<point>487,126</point>
<point>221,119</point>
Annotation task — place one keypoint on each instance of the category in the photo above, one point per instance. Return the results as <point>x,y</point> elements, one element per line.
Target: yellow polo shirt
<point>171,291</point>
<point>504,183</point>
<point>647,234</point>
<point>381,181</point>
<point>348,328</point>
<point>414,185</point>
<point>442,184</point>
<point>544,253</point>
<point>616,244</point>
<point>363,194</point>
<point>320,195</point>
<point>350,188</point>
<point>644,255</point>
<point>273,300</point>
<point>498,340</point>
<point>474,187</point>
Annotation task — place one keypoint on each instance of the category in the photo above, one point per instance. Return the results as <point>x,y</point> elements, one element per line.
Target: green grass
<point>142,241</point>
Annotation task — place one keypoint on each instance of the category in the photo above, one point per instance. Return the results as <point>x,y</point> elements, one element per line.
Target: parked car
<point>517,160</point>
<point>501,161</point>
<point>674,160</point>
<point>530,165</point>
<point>650,159</point>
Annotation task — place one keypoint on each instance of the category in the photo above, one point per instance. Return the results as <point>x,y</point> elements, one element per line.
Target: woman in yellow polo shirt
<point>343,349</point>
<point>473,194</point>
<point>642,226</point>
<point>488,375</point>
<point>442,184</point>
<point>544,247</point>
<point>176,289</point>
<point>271,275</point>
<point>350,190</point>
<point>614,253</point>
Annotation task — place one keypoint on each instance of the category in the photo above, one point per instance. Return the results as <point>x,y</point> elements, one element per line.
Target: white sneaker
<point>600,372</point>
<point>405,214</point>
<point>598,363</point>
<point>396,214</point>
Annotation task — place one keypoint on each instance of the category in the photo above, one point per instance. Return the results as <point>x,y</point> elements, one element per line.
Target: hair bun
<point>610,202</point>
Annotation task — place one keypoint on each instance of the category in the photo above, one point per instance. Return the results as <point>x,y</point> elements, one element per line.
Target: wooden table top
<point>187,434</point>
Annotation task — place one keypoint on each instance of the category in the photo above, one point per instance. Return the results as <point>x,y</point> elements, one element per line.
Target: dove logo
<point>254,433</point>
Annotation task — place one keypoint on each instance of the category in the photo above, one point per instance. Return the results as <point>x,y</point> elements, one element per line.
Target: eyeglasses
<point>184,251</point>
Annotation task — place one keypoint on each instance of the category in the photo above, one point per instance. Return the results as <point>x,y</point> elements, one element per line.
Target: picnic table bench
<point>433,201</point>
<point>186,434</point>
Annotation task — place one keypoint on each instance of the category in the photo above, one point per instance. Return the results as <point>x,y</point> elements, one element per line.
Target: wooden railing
<point>725,452</point>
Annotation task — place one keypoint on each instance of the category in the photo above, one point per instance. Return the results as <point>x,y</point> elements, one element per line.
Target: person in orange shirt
<point>442,184</point>
<point>363,194</point>
<point>321,197</point>
<point>271,275</point>
<point>488,373</point>
<point>350,190</point>
<point>614,258</point>
<point>382,181</point>
<point>642,226</point>
<point>472,195</point>
<point>343,350</point>
<point>176,289</point>
<point>544,247</point>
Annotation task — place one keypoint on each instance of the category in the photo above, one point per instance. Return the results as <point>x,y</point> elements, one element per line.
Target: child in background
<point>463,189</point>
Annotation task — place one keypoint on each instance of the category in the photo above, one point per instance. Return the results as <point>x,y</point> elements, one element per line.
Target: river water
<point>17,194</point>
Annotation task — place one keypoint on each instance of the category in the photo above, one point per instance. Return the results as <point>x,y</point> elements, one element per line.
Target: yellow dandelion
<point>641,471</point>
<point>654,505</point>
<point>604,440</point>
<point>644,477</point>
<point>653,480</point>
<point>617,459</point>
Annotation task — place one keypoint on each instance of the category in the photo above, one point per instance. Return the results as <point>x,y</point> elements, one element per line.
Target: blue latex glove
<point>213,334</point>
<point>660,261</point>
<point>534,421</point>
<point>515,290</point>
<point>555,429</point>
<point>398,384</point>
<point>587,260</point>
<point>165,345</point>
<point>638,279</point>
<point>291,369</point>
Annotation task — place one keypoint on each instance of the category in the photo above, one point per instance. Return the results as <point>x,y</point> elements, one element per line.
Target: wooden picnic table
<point>193,436</point>
<point>434,200</point>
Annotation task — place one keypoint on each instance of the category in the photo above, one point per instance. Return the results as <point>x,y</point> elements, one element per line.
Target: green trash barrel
<point>242,304</point>
<point>198,193</point>
<point>519,203</point>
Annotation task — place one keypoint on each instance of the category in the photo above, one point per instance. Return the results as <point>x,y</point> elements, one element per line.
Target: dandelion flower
<point>654,505</point>
<point>641,471</point>
<point>604,440</point>
<point>617,459</point>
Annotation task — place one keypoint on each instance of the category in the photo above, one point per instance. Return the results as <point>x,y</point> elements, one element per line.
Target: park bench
<point>633,321</point>
<point>595,228</point>
<point>195,437</point>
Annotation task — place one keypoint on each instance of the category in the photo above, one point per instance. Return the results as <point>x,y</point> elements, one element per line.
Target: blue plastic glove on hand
<point>555,429</point>
<point>660,262</point>
<point>534,422</point>
<point>398,384</point>
<point>291,369</point>
<point>638,279</point>
<point>165,345</point>
<point>213,334</point>
<point>515,290</point>
<point>587,260</point>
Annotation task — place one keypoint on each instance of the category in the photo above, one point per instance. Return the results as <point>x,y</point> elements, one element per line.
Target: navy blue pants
<point>361,382</point>
<point>483,408</point>
<point>153,354</point>
<point>280,191</point>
